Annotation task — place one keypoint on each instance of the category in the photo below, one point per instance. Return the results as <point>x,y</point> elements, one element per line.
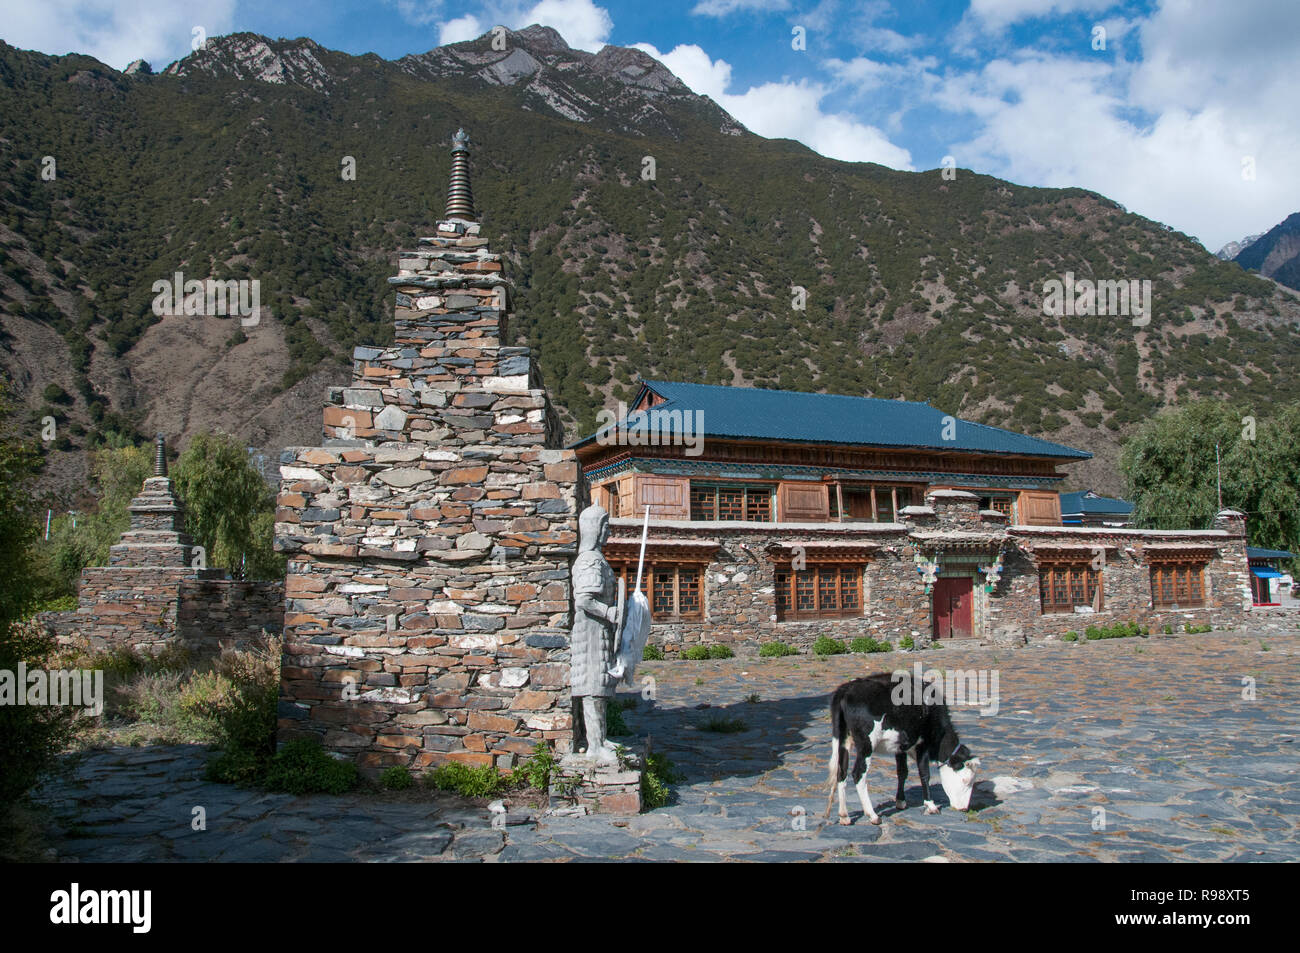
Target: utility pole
<point>1218,476</point>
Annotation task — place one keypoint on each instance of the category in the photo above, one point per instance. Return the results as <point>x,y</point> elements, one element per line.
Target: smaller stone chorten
<point>157,535</point>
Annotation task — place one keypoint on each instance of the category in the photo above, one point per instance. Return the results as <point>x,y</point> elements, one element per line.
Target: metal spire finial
<point>460,198</point>
<point>159,456</point>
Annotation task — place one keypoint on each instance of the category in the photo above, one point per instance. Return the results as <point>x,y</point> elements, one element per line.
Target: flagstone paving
<point>1122,750</point>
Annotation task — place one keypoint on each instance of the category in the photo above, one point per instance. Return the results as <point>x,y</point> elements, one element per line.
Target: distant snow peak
<point>1233,249</point>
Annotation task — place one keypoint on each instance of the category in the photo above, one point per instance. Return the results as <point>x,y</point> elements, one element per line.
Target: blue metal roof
<point>1082,502</point>
<point>749,413</point>
<point>1254,552</point>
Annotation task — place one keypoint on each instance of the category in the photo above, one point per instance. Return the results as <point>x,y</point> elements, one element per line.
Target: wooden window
<point>1178,584</point>
<point>1003,504</point>
<point>1062,587</point>
<point>612,495</point>
<point>672,590</point>
<point>878,504</point>
<point>731,503</point>
<point>804,502</point>
<point>819,592</point>
<point>751,504</point>
<point>704,502</point>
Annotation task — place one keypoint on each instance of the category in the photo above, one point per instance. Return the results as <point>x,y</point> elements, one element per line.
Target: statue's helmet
<point>591,523</point>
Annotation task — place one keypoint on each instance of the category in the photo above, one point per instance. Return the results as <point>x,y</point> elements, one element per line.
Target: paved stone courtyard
<point>1155,732</point>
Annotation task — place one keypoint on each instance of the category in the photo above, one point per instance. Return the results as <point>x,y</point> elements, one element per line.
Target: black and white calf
<point>865,710</point>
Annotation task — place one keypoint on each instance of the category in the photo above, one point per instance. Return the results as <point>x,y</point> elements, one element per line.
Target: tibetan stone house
<point>779,515</point>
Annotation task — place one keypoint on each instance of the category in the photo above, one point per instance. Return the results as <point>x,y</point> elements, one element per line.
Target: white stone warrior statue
<point>595,626</point>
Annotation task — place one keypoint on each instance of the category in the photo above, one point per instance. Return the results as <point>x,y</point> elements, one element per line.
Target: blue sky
<point>1182,110</point>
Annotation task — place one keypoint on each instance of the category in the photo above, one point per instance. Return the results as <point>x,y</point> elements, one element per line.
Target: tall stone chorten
<point>429,539</point>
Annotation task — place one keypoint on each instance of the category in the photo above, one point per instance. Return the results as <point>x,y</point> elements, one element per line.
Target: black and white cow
<point>865,711</point>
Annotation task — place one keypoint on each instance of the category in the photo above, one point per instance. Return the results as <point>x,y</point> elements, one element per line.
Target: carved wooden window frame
<point>707,501</point>
<point>813,585</point>
<point>1060,582</point>
<point>668,586</point>
<point>1178,578</point>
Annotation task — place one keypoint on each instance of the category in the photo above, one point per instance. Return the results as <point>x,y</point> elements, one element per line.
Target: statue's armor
<point>592,644</point>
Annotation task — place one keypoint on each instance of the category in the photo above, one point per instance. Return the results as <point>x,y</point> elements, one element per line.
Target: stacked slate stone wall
<point>217,614</point>
<point>430,538</point>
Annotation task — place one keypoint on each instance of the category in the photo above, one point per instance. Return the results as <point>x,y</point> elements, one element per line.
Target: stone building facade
<point>740,564</point>
<point>430,537</point>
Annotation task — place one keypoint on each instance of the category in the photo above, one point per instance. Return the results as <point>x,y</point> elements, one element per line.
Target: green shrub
<point>1195,629</point>
<point>150,697</point>
<point>652,653</point>
<point>480,781</point>
<point>246,727</point>
<point>907,643</point>
<point>1169,629</point>
<point>615,726</point>
<point>656,781</point>
<point>395,777</point>
<point>31,736</point>
<point>303,767</point>
<point>867,644</point>
<point>696,653</point>
<point>720,651</point>
<point>825,645</point>
<point>723,725</point>
<point>1120,630</point>
<point>776,650</point>
<point>537,770</point>
<point>1070,637</point>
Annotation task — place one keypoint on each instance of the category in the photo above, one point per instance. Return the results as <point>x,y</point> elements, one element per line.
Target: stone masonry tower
<point>429,539</point>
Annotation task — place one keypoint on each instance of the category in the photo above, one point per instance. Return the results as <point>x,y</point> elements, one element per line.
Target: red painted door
<point>953,602</point>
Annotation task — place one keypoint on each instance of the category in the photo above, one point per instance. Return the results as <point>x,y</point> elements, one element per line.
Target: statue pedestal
<point>598,788</point>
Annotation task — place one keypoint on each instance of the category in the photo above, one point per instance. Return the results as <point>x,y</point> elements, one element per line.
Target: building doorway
<point>953,607</point>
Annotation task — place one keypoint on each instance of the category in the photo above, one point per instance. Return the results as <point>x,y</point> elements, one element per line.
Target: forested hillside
<point>229,166</point>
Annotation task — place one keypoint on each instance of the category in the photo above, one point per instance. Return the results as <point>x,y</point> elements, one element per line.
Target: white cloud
<point>419,12</point>
<point>115,32</point>
<point>785,110</point>
<point>1055,121</point>
<point>996,15</point>
<point>1160,121</point>
<point>722,8</point>
<point>460,29</point>
<point>583,25</point>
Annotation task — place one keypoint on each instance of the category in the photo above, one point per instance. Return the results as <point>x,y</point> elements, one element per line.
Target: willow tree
<point>228,506</point>
<point>1170,468</point>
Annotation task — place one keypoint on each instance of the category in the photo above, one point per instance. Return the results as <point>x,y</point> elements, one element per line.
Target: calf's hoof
<point>900,804</point>
<point>844,819</point>
<point>931,808</point>
<point>875,820</point>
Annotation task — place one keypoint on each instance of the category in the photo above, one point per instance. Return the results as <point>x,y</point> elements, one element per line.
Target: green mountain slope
<point>227,165</point>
